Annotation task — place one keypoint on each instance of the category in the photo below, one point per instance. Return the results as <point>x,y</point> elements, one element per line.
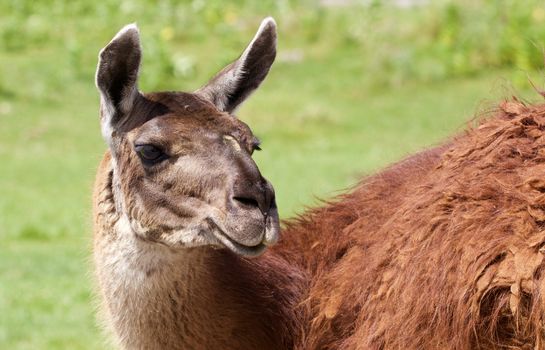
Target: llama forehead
<point>173,129</point>
<point>189,119</point>
<point>183,103</point>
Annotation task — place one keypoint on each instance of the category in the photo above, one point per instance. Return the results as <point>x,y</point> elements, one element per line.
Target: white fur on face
<point>232,142</point>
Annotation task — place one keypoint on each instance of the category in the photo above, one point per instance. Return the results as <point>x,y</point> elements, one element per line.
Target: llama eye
<point>150,154</point>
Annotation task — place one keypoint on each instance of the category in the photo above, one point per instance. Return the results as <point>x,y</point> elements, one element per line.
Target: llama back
<point>442,250</point>
<point>319,240</point>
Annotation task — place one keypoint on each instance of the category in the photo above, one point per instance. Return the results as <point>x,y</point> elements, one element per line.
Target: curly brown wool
<point>443,250</point>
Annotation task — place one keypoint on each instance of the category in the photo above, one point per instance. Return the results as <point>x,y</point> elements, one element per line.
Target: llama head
<point>183,173</point>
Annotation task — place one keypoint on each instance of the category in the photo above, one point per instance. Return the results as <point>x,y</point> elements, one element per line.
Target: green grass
<point>45,296</point>
<point>327,115</point>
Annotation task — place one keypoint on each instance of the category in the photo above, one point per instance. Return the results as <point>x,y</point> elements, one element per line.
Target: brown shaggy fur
<point>443,250</point>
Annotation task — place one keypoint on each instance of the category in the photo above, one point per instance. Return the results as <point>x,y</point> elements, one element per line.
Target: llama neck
<point>156,297</point>
<point>153,297</point>
<point>201,298</point>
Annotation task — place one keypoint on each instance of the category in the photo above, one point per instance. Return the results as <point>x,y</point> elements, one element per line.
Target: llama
<point>443,250</point>
<point>177,183</point>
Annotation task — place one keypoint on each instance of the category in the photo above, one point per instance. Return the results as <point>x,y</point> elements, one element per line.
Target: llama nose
<point>259,195</point>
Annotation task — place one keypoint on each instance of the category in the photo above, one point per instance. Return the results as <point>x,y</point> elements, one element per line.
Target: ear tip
<point>268,23</point>
<point>267,29</point>
<point>130,31</point>
<point>129,34</point>
<point>269,20</point>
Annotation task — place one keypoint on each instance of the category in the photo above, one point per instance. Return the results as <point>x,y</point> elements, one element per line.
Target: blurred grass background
<point>356,85</point>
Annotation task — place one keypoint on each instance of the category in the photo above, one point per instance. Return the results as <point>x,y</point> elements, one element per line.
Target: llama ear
<point>116,78</point>
<point>233,84</point>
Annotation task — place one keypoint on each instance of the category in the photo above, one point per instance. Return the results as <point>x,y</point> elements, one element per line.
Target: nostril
<point>248,202</point>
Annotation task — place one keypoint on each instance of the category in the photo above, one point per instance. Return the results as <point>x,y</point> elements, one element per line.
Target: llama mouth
<point>234,246</point>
